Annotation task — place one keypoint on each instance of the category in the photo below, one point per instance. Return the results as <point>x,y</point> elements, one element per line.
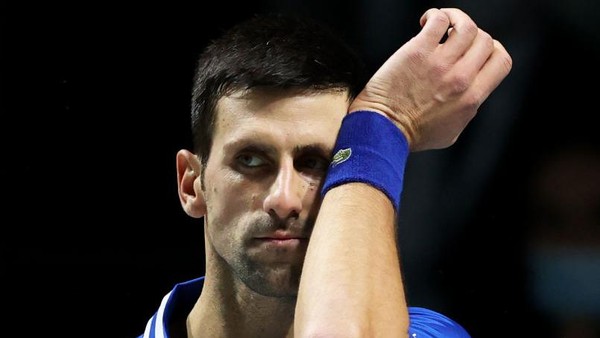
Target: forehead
<point>284,117</point>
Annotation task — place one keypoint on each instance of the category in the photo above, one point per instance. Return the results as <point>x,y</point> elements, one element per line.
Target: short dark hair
<point>274,51</point>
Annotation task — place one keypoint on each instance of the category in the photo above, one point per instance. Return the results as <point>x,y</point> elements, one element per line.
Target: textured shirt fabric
<point>424,323</point>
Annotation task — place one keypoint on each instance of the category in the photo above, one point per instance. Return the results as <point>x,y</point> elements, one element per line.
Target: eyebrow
<point>249,145</point>
<point>258,146</point>
<point>313,148</point>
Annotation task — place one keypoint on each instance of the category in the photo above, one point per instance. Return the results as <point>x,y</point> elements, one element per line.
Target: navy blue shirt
<point>424,323</point>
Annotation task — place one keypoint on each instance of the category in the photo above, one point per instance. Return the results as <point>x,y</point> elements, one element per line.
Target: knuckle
<point>487,40</point>
<point>470,28</point>
<point>417,56</point>
<point>508,62</point>
<point>472,101</point>
<point>440,18</point>
<point>459,84</point>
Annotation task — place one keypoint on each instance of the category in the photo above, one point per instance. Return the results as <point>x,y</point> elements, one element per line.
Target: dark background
<point>94,105</point>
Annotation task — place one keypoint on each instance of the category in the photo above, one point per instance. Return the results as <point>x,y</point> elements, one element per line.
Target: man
<point>270,171</point>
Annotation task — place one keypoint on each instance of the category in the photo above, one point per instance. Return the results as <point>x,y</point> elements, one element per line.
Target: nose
<point>285,195</point>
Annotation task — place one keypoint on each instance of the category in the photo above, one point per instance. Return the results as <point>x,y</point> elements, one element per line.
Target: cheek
<point>225,212</point>
<point>312,198</point>
<point>228,196</point>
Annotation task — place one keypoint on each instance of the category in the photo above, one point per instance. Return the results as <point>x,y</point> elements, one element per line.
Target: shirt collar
<point>181,298</point>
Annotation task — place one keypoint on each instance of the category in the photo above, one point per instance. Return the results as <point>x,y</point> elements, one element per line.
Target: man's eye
<point>250,160</point>
<point>315,163</point>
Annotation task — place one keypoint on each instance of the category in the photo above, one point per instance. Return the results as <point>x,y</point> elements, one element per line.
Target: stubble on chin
<point>270,280</point>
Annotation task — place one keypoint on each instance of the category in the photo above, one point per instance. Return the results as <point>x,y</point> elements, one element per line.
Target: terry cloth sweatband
<point>369,149</point>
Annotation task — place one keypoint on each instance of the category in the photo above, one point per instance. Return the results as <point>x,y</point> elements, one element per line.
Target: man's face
<point>269,155</point>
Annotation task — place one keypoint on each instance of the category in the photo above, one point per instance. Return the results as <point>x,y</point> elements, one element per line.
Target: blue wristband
<point>369,149</point>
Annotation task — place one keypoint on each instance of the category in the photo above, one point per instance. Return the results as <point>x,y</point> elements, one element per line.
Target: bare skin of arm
<point>354,286</point>
<point>351,284</point>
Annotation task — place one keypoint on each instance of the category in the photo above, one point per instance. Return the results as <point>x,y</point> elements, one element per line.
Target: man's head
<point>273,51</point>
<point>268,100</point>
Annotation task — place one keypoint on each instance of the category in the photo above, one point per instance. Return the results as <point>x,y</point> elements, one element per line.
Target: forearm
<point>351,283</point>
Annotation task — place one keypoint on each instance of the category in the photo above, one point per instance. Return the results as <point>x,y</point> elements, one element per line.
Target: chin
<point>279,283</point>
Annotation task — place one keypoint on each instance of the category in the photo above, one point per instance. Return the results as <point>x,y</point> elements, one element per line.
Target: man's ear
<point>189,185</point>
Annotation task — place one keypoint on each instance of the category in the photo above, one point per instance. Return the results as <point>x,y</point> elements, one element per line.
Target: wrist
<point>372,150</point>
<point>383,110</point>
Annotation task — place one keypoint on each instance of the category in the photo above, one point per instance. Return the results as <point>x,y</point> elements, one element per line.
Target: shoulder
<point>173,308</point>
<point>425,323</point>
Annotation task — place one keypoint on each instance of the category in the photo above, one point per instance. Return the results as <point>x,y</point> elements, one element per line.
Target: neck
<point>228,308</point>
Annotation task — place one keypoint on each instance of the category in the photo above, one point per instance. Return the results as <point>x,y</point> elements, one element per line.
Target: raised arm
<point>351,284</point>
<point>431,90</point>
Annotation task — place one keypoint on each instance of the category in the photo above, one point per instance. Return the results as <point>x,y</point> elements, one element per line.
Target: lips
<point>282,241</point>
<point>281,235</point>
<point>282,246</point>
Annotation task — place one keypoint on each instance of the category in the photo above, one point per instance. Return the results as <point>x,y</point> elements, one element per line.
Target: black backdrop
<point>94,105</point>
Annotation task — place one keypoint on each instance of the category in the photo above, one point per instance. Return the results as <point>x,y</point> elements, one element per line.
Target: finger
<point>476,56</point>
<point>461,34</point>
<point>435,24</point>
<point>492,73</point>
